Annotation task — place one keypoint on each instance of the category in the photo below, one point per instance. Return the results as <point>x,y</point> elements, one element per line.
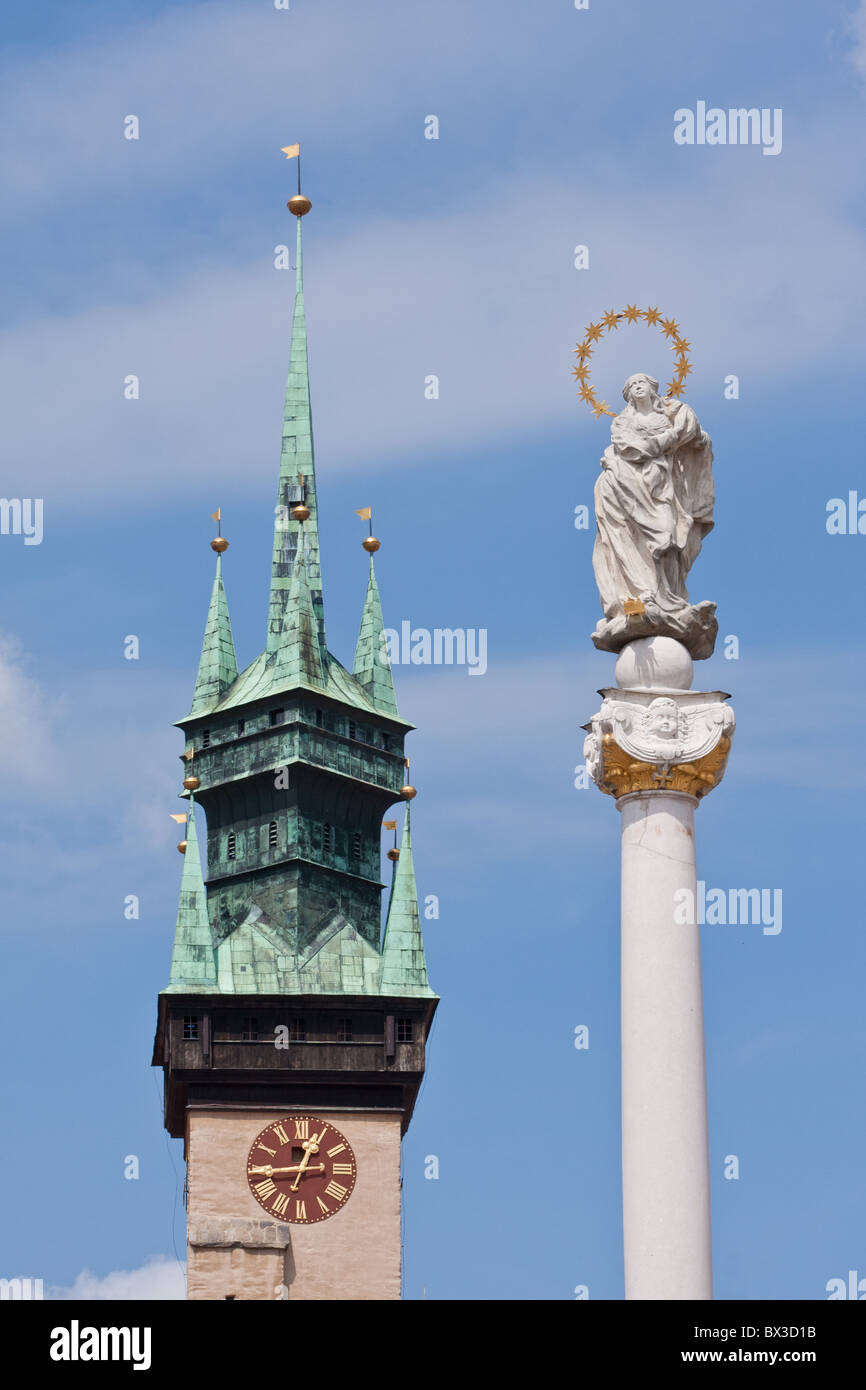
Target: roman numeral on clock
<point>323,1206</point>
<point>260,1145</point>
<point>302,1129</point>
<point>264,1189</point>
<point>337,1149</point>
<point>281,1203</point>
<point>281,1134</point>
<point>342,1168</point>
<point>335,1189</point>
<point>300,1210</point>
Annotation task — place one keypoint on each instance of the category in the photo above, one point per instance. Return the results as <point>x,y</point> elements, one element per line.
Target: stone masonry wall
<point>235,1251</point>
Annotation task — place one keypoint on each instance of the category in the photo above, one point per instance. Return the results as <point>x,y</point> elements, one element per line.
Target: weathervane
<point>299,205</point>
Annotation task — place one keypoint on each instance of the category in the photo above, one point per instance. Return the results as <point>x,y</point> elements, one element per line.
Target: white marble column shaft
<point>666,1180</point>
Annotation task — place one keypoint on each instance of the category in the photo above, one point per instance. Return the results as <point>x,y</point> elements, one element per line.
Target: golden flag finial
<point>219,543</point>
<point>370,544</point>
<point>299,206</point>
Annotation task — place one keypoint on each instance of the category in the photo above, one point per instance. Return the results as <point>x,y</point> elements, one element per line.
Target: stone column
<point>658,748</point>
<point>665,1159</point>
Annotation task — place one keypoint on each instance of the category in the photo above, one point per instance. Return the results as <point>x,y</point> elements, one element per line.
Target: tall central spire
<point>294,761</point>
<point>297,470</point>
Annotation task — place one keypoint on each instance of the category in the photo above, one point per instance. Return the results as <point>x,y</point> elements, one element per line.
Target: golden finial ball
<point>408,792</point>
<point>299,205</point>
<point>393,855</point>
<point>182,847</point>
<point>370,544</point>
<point>219,544</point>
<point>301,512</point>
<point>191,783</point>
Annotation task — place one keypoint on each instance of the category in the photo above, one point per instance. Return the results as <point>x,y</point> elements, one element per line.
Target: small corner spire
<point>218,666</point>
<point>193,963</point>
<point>404,965</point>
<point>372,667</point>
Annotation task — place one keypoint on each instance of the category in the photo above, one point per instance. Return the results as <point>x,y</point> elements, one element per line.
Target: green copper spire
<point>372,668</point>
<point>193,964</point>
<point>404,967</point>
<point>296,461</point>
<point>298,659</point>
<point>218,666</point>
<point>296,761</point>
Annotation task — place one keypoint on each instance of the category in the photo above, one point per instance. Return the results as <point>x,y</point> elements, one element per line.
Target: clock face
<point>301,1170</point>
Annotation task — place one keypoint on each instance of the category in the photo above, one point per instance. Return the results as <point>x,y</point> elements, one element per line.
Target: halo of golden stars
<point>612,320</point>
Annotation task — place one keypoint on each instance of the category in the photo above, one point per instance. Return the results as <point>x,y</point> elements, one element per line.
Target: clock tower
<point>293,1028</point>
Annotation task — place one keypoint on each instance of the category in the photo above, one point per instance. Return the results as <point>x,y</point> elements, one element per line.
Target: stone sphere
<point>654,663</point>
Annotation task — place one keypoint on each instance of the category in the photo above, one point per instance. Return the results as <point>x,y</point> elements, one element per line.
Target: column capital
<point>653,741</point>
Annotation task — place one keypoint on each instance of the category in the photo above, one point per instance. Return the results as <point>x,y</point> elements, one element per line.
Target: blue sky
<point>452,257</point>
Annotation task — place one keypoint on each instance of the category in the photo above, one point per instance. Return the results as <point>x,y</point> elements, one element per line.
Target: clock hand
<point>302,1166</point>
<point>268,1169</point>
<point>310,1147</point>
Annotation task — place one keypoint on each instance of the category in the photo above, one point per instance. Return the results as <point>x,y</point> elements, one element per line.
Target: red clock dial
<point>301,1170</point>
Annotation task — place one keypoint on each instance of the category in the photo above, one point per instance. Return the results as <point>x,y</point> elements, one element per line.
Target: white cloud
<point>201,79</point>
<point>759,259</point>
<point>89,782</point>
<point>485,300</point>
<point>217,85</point>
<point>159,1278</point>
<point>81,750</point>
<point>28,723</point>
<point>211,83</point>
<point>856,26</point>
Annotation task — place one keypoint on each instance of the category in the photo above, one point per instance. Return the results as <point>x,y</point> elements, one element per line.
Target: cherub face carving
<point>662,719</point>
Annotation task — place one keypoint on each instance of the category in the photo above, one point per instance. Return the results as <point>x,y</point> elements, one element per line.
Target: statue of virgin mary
<point>653,507</point>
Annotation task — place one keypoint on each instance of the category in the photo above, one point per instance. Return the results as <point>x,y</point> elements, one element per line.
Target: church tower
<point>293,1028</point>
